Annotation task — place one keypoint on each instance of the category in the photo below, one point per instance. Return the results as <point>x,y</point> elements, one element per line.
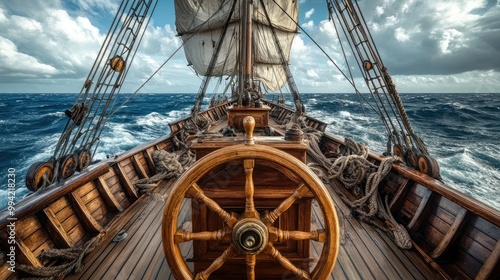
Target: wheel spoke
<point>230,252</point>
<point>273,215</point>
<point>250,211</point>
<point>278,235</point>
<point>251,259</point>
<point>221,234</point>
<point>197,193</point>
<point>275,254</point>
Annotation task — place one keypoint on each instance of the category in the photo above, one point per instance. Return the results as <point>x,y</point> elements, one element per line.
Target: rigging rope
<point>73,255</point>
<point>352,169</point>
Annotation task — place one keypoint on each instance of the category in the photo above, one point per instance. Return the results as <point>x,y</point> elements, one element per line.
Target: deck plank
<point>366,253</point>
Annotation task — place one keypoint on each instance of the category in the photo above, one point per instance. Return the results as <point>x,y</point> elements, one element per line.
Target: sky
<point>434,46</point>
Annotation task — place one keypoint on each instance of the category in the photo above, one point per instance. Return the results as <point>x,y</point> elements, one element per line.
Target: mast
<point>246,83</point>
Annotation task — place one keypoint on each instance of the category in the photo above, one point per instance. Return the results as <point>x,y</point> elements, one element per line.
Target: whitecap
<point>152,119</point>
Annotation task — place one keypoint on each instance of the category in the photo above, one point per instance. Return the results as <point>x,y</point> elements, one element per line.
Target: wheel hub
<point>250,236</point>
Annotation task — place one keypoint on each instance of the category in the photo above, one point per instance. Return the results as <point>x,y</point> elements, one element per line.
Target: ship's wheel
<point>250,233</point>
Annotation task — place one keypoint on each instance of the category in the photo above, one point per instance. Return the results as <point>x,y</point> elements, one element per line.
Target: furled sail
<point>201,23</point>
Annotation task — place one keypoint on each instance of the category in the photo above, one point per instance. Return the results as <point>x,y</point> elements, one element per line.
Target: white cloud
<point>13,62</point>
<point>439,42</point>
<point>401,34</point>
<point>308,25</point>
<point>309,13</point>
<point>450,40</point>
<point>312,74</point>
<point>45,42</point>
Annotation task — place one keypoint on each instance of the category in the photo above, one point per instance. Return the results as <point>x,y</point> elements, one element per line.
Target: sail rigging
<point>200,23</point>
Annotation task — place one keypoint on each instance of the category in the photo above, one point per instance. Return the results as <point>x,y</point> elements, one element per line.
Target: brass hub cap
<point>250,236</point>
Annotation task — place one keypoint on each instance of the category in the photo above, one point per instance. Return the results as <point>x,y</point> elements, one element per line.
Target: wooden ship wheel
<point>251,235</point>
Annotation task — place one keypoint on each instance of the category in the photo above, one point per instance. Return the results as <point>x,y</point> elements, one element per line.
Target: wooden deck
<point>365,253</point>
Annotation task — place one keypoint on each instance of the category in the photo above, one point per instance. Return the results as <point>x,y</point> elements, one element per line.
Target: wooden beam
<point>149,160</point>
<point>125,181</point>
<point>107,196</point>
<point>452,234</point>
<point>138,167</point>
<point>400,195</point>
<point>491,267</point>
<point>420,214</point>
<point>83,213</point>
<point>55,228</point>
<point>25,255</point>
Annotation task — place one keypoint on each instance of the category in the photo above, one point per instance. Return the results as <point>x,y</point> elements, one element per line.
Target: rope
<point>167,166</point>
<point>74,255</point>
<point>352,169</point>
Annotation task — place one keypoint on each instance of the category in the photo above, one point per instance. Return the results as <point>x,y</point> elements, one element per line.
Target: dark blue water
<point>461,130</point>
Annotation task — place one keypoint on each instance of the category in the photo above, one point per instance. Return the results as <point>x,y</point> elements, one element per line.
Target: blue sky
<point>427,45</point>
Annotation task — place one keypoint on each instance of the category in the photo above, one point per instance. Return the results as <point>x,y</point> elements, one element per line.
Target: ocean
<point>462,131</point>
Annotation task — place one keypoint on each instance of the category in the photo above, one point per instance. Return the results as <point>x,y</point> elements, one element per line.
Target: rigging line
<point>168,59</point>
<point>371,52</point>
<point>123,45</point>
<point>149,79</point>
<point>330,7</point>
<point>61,146</point>
<point>324,52</point>
<point>364,46</point>
<point>379,110</point>
<point>104,120</point>
<point>299,105</point>
<point>396,98</point>
<point>330,16</point>
<point>67,149</point>
<point>203,87</point>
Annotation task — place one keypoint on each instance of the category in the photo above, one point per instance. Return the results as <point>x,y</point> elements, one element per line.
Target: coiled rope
<point>352,169</point>
<point>167,166</point>
<point>74,255</point>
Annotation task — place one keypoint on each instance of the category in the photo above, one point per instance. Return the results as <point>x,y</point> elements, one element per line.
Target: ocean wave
<point>461,131</point>
<point>153,119</point>
<point>469,174</point>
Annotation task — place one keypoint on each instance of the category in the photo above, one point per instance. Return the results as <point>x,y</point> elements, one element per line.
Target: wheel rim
<point>186,187</point>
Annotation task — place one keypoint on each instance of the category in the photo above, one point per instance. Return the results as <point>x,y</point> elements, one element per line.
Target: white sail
<point>200,23</point>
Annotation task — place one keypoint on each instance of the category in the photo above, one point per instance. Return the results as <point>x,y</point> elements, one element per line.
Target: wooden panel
<point>162,146</point>
<point>422,211</point>
<point>83,213</point>
<point>98,209</point>
<point>452,235</point>
<point>432,235</point>
<point>491,267</point>
<point>31,238</point>
<point>55,228</point>
<point>125,182</point>
<point>401,192</point>
<point>116,189</point>
<point>144,164</point>
<point>77,234</point>
<point>141,172</point>
<point>149,159</point>
<point>113,181</point>
<point>25,255</point>
<point>472,243</point>
<point>107,196</point>
<point>71,221</point>
<point>90,196</point>
<point>236,114</point>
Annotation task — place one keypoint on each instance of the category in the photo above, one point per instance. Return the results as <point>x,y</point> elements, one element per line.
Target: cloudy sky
<point>427,45</point>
